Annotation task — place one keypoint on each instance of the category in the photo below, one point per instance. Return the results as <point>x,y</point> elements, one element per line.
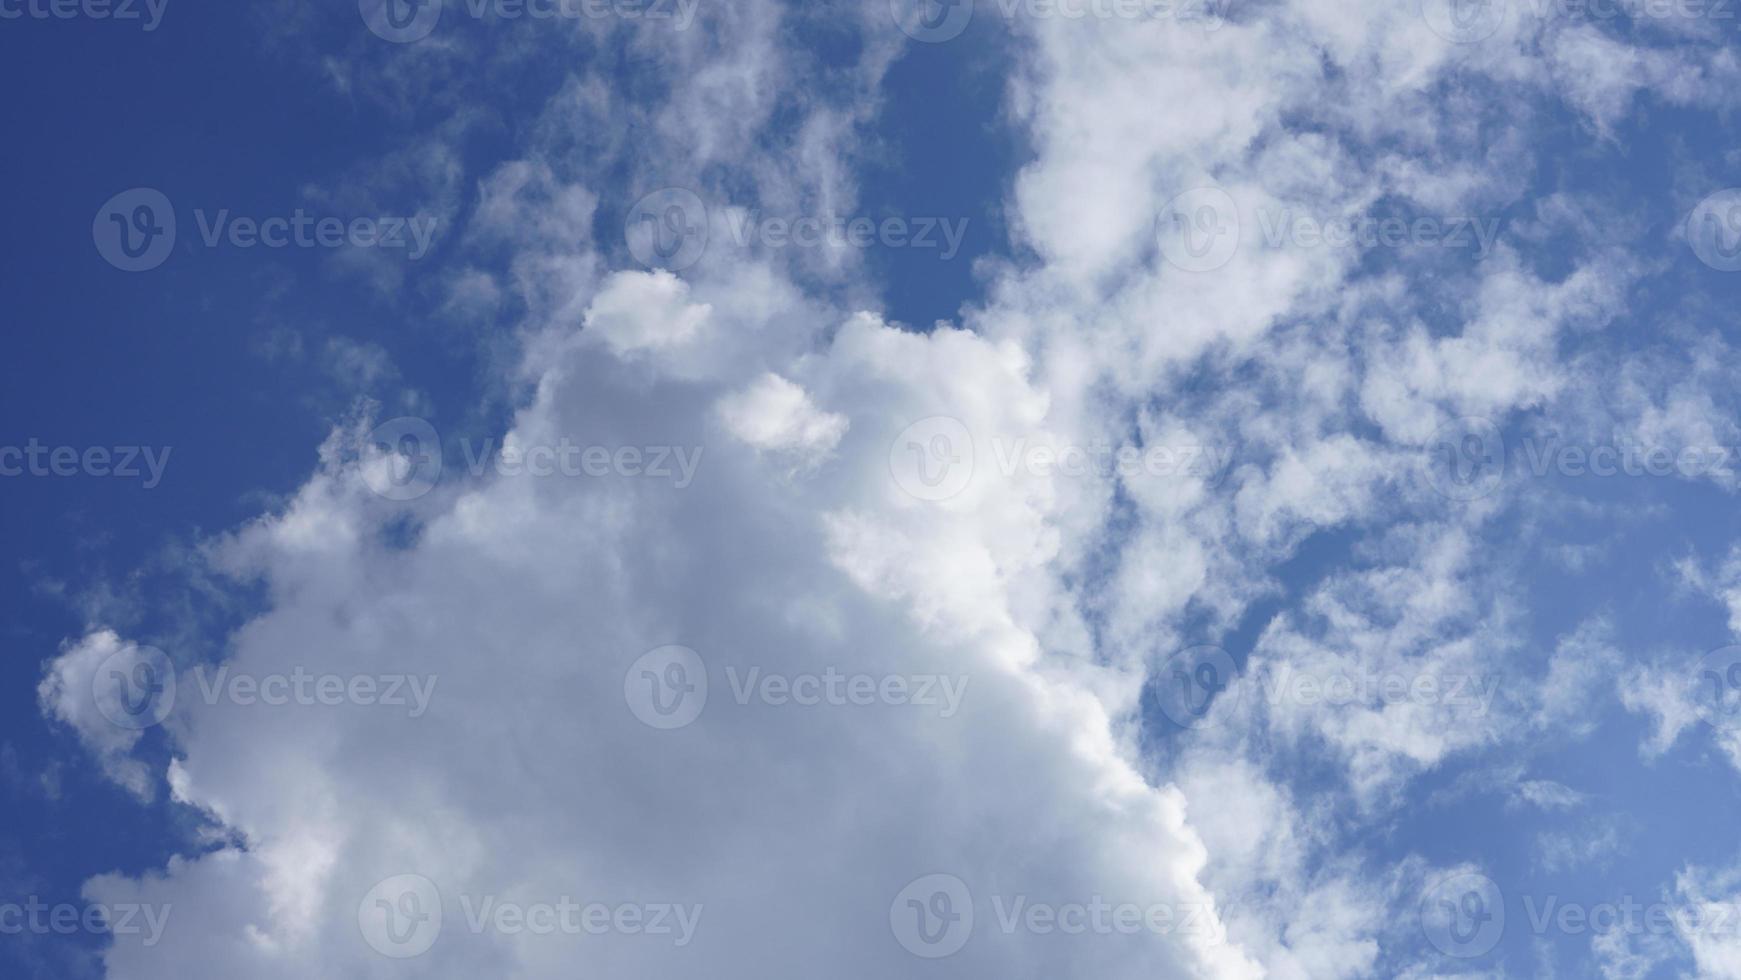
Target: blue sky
<point>677,494</point>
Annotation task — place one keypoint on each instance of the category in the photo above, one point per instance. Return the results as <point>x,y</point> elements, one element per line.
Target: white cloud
<point>775,415</point>
<point>1056,596</point>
